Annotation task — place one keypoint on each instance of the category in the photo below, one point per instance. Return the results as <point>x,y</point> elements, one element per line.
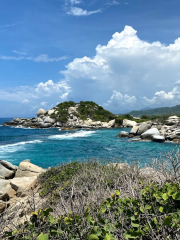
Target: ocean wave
<point>72,135</point>
<point>15,146</point>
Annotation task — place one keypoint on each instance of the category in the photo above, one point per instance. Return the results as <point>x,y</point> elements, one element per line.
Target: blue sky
<point>123,55</point>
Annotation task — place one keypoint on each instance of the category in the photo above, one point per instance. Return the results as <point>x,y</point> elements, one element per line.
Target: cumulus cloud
<point>118,100</point>
<point>40,58</point>
<point>165,98</point>
<point>109,3</point>
<point>25,101</point>
<point>76,11</point>
<point>126,64</point>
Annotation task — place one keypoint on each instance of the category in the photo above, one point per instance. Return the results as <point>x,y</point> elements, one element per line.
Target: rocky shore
<point>155,131</point>
<point>49,119</point>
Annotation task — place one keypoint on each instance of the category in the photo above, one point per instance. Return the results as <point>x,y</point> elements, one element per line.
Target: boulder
<point>5,188</point>
<point>112,123</point>
<point>134,130</point>
<point>49,120</point>
<point>2,206</point>
<point>123,134</point>
<point>6,173</point>
<point>144,127</point>
<point>51,111</point>
<point>152,174</point>
<point>8,165</point>
<point>173,120</point>
<point>27,169</point>
<point>158,138</point>
<point>105,125</point>
<point>21,184</point>
<point>72,110</point>
<point>40,112</point>
<point>149,133</point>
<point>128,123</point>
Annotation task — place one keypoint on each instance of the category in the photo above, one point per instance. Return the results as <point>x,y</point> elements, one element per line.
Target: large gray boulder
<point>5,189</point>
<point>112,123</point>
<point>158,138</point>
<point>21,184</point>
<point>27,169</point>
<point>123,134</point>
<point>72,110</point>
<point>49,120</point>
<point>134,130</point>
<point>8,165</point>
<point>149,133</point>
<point>40,112</point>
<point>144,127</point>
<point>51,111</point>
<point>128,123</point>
<point>6,173</point>
<point>173,120</point>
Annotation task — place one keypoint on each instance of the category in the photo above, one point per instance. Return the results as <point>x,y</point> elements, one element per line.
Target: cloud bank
<point>127,73</point>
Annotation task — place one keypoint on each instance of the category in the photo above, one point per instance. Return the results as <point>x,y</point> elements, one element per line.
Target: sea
<point>52,147</point>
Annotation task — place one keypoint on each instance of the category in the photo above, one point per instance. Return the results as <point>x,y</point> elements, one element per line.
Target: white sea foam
<point>15,146</point>
<point>72,135</point>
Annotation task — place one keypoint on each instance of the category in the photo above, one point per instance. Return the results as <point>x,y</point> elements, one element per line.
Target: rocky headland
<point>153,130</point>
<point>68,115</point>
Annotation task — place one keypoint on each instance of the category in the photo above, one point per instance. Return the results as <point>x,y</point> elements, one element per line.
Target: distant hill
<point>157,111</point>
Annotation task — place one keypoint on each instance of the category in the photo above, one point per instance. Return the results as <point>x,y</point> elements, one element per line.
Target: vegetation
<point>93,201</point>
<point>166,111</point>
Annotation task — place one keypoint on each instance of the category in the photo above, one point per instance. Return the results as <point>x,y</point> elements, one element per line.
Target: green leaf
<point>141,209</point>
<point>133,218</point>
<point>117,193</point>
<point>135,224</point>
<point>165,196</point>
<point>92,237</point>
<point>51,219</point>
<point>108,204</point>
<point>176,196</point>
<point>103,209</point>
<point>161,209</point>
<point>43,237</point>
<point>168,221</point>
<point>147,207</point>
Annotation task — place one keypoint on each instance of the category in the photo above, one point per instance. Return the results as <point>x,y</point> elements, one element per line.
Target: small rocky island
<point>69,115</point>
<point>153,130</point>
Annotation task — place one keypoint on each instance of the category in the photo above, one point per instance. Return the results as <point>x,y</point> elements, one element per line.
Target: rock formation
<point>155,131</point>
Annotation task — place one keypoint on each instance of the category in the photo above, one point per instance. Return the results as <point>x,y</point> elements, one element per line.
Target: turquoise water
<point>50,147</point>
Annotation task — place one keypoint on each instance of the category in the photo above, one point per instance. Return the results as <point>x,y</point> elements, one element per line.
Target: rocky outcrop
<point>156,131</point>
<point>123,134</point>
<point>24,177</point>
<point>50,119</point>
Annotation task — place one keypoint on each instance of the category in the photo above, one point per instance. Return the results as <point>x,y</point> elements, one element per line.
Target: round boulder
<point>158,138</point>
<point>150,133</point>
<point>40,112</point>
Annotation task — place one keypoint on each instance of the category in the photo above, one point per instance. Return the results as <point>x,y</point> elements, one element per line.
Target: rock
<point>123,134</point>
<point>5,188</point>
<point>128,123</point>
<point>149,133</point>
<point>173,120</point>
<point>144,127</point>
<point>49,120</point>
<point>134,130</point>
<point>40,112</point>
<point>112,123</point>
<point>8,165</point>
<point>121,166</point>
<point>158,126</point>
<point>2,206</point>
<point>72,110</point>
<point>152,174</point>
<point>51,111</point>
<point>105,125</point>
<point>27,169</point>
<point>158,138</point>
<point>6,173</point>
<point>21,184</point>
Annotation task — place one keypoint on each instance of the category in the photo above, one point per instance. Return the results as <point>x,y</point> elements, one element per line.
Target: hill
<point>157,111</point>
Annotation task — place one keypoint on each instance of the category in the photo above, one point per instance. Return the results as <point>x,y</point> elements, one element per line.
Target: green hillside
<point>157,111</point>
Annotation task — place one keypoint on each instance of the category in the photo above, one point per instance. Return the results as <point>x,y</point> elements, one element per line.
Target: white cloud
<point>64,96</point>
<point>76,11</point>
<point>39,58</point>
<point>127,64</point>
<point>44,104</point>
<point>75,2</point>
<point>25,101</point>
<point>109,3</point>
<point>117,100</point>
<point>165,98</point>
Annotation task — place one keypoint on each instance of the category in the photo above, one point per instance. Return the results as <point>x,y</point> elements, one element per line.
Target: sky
<point>123,55</point>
